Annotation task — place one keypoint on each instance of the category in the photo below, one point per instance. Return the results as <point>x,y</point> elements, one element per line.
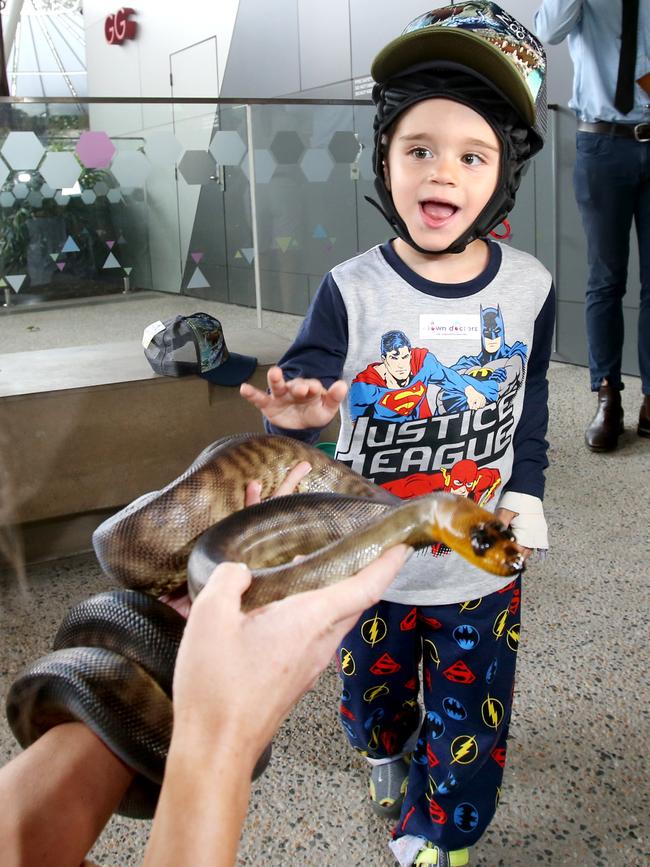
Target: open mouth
<point>436,213</point>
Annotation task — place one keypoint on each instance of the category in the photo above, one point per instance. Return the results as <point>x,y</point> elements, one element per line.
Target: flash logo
<point>492,712</point>
<point>347,662</point>
<point>374,630</point>
<point>500,623</point>
<point>433,651</point>
<point>471,605</point>
<point>464,750</point>
<point>512,638</point>
<point>375,691</point>
<point>373,743</point>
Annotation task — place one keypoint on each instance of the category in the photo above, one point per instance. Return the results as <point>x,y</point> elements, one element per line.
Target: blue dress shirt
<point>593,28</point>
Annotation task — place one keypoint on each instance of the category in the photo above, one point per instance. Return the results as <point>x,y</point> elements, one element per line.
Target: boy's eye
<point>420,153</point>
<point>472,159</point>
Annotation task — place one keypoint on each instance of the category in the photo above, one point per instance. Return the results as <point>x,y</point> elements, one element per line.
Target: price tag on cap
<point>150,332</point>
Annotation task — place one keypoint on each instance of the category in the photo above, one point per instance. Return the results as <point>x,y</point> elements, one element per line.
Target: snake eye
<point>485,536</point>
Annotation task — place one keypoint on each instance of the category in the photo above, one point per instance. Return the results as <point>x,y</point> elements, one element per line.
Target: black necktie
<point>624,99</point>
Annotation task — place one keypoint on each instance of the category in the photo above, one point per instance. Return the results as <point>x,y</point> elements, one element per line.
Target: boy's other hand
<point>506,516</point>
<point>296,404</point>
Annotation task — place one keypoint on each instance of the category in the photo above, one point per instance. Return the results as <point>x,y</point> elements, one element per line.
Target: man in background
<point>609,43</point>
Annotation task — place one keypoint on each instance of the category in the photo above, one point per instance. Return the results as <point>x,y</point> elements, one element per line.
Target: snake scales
<point>113,657</point>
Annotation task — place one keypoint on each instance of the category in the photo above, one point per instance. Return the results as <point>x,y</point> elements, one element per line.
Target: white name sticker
<point>448,326</point>
<point>150,332</point>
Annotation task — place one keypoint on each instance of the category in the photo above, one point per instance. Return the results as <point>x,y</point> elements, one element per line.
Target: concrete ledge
<point>49,370</point>
<point>88,429</point>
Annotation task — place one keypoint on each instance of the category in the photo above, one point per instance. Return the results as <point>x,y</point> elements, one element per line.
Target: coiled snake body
<point>113,656</point>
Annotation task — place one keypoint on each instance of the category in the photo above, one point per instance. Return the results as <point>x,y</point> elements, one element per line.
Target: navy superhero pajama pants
<point>468,653</point>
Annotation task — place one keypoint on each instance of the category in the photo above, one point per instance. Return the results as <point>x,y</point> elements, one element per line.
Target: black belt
<point>638,131</point>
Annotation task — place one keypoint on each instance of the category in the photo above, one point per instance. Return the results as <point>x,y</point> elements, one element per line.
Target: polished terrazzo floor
<point>576,788</point>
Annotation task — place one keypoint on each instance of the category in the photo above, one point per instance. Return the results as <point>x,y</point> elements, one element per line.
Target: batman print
<point>466,636</point>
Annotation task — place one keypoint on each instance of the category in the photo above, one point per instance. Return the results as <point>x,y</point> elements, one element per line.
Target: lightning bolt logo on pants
<point>347,662</point>
<point>500,623</point>
<point>464,749</point>
<point>512,637</point>
<point>492,712</point>
<point>373,630</point>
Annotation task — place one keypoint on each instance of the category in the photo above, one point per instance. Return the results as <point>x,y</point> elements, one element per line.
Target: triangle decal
<point>196,257</point>
<point>110,244</point>
<point>198,281</point>
<point>70,245</point>
<point>54,256</point>
<point>16,281</point>
<point>238,255</point>
<point>128,270</point>
<point>319,232</point>
<point>111,262</point>
<point>283,243</point>
<point>249,253</point>
<point>60,265</point>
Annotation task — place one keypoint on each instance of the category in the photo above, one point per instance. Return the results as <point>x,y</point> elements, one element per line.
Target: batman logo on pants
<point>453,708</point>
<point>448,785</point>
<point>419,753</point>
<point>436,724</point>
<point>466,817</point>
<point>491,673</point>
<point>466,636</point>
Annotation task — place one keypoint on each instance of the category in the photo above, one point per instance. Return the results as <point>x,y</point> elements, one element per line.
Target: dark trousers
<point>612,186</point>
<point>468,654</point>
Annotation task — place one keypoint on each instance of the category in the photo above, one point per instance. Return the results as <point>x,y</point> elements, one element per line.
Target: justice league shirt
<point>448,391</point>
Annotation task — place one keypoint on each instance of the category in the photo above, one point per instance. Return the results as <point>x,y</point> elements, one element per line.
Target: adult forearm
<point>202,804</point>
<point>56,797</point>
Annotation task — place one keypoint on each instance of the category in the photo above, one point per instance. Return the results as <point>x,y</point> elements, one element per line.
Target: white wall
<point>141,68</point>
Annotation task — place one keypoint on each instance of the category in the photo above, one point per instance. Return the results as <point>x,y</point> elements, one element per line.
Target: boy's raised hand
<point>296,404</point>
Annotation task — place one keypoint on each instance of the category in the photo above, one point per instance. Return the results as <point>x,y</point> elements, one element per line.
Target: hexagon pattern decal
<point>265,165</point>
<point>197,167</point>
<point>317,164</point>
<point>344,147</point>
<point>227,148</point>
<point>131,168</point>
<point>60,170</point>
<point>163,148</point>
<point>95,150</point>
<point>287,147</point>
<point>22,150</point>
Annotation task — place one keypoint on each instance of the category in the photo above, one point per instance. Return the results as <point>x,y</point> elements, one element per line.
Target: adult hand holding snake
<point>220,725</point>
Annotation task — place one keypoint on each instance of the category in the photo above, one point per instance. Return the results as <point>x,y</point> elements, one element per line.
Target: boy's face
<point>442,168</point>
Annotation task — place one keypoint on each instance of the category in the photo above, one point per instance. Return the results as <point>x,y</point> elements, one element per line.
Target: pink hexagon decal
<point>95,150</point>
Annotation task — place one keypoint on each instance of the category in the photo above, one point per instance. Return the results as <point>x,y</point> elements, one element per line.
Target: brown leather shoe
<point>607,425</point>
<point>643,429</point>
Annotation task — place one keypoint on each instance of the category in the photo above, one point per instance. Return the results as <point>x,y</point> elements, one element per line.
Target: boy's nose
<point>442,171</point>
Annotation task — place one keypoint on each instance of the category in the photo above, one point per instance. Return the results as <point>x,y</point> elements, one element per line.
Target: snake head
<point>489,535</point>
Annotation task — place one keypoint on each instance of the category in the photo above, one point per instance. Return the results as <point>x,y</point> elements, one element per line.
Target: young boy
<point>444,337</point>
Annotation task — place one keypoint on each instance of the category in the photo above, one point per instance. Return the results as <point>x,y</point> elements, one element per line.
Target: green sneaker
<point>388,786</point>
<point>433,855</point>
